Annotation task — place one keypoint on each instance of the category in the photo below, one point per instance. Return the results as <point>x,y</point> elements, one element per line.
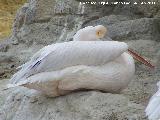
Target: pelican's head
<point>90,33</point>
<point>100,31</point>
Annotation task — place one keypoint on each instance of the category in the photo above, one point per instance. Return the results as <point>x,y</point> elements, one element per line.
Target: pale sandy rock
<point>26,104</point>
<point>42,22</point>
<point>127,29</point>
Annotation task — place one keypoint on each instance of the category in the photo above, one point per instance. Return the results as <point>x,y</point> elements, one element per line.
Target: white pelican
<point>84,63</point>
<point>153,108</point>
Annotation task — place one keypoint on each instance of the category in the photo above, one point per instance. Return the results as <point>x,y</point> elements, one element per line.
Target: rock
<point>45,22</point>
<point>5,44</point>
<point>6,57</point>
<point>42,22</point>
<point>149,10</point>
<point>126,29</point>
<point>3,93</point>
<point>77,106</point>
<point>139,8</point>
<point>3,47</point>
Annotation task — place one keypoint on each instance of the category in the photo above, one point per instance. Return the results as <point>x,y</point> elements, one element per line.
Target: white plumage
<point>80,64</point>
<point>153,108</point>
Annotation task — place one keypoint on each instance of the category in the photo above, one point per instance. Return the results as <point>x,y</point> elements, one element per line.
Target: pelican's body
<point>63,67</point>
<point>153,108</point>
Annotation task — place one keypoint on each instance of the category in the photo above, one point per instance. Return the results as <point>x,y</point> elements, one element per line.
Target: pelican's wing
<point>67,54</point>
<point>40,54</point>
<point>35,60</point>
<point>153,108</point>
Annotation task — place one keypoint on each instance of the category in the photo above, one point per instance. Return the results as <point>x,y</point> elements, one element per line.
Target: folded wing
<point>62,55</point>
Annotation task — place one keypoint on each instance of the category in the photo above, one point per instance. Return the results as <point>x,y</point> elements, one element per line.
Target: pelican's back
<point>59,56</point>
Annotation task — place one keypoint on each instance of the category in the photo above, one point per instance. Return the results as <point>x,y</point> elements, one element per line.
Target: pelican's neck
<point>127,60</point>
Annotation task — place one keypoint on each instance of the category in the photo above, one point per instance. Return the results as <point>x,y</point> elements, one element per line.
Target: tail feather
<point>12,85</point>
<point>18,76</point>
<point>9,86</point>
<point>21,74</point>
<point>23,82</point>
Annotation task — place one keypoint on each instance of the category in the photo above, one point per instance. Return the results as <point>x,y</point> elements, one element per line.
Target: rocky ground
<point>42,22</point>
<point>8,10</point>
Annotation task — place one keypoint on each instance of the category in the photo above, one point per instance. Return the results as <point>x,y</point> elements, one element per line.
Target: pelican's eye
<point>99,34</point>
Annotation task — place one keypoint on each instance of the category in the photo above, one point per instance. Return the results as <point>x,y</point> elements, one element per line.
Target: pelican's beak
<point>140,58</point>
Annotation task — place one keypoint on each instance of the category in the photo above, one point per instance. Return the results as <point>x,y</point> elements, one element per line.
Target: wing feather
<point>61,55</point>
